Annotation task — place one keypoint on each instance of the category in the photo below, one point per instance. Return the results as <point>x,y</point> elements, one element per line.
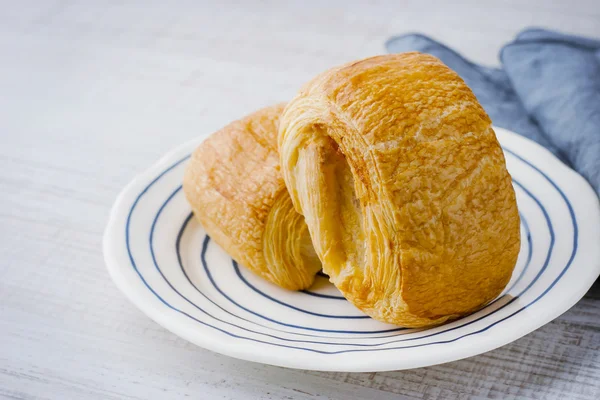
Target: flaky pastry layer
<point>234,185</point>
<point>401,180</point>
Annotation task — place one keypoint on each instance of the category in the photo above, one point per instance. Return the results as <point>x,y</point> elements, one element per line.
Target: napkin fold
<point>547,89</point>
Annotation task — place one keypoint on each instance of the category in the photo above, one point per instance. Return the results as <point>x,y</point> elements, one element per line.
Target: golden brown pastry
<point>236,190</point>
<point>403,185</point>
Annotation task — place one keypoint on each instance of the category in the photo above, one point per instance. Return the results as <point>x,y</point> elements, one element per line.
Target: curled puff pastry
<point>235,187</point>
<point>403,185</point>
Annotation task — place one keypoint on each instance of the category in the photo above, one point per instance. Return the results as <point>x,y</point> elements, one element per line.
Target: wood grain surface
<point>91,93</point>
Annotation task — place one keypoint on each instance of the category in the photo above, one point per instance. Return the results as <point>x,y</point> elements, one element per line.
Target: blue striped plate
<point>162,259</point>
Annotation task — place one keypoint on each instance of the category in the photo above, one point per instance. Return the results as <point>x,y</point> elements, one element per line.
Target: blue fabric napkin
<point>548,90</point>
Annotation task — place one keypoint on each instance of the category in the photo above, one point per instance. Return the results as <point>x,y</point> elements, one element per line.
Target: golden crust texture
<point>403,185</point>
<point>234,185</point>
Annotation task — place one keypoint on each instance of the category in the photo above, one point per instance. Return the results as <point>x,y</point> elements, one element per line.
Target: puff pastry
<point>403,185</point>
<point>234,185</point>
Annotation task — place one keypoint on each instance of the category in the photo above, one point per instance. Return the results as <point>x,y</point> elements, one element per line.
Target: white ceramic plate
<point>162,259</point>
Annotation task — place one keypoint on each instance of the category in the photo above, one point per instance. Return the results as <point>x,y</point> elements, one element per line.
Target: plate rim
<point>139,295</point>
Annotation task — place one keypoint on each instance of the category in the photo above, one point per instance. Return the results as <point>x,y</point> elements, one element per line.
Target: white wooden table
<point>91,93</point>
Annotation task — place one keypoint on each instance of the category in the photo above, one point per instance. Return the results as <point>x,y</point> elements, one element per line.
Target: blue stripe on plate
<point>529,252</point>
<point>177,246</point>
<point>243,279</point>
<point>205,265</point>
<point>207,239</point>
<point>321,295</point>
<point>255,289</point>
<point>575,239</point>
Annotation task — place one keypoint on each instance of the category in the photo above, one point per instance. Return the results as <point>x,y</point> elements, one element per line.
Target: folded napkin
<point>548,90</point>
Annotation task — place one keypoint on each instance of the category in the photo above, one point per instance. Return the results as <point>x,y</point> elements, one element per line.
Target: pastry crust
<point>234,185</point>
<point>403,185</point>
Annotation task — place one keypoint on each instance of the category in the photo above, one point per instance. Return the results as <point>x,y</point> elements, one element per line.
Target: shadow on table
<point>594,292</point>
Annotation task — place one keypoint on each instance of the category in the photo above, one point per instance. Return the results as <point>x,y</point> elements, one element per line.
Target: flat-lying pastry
<point>403,185</point>
<point>236,190</point>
